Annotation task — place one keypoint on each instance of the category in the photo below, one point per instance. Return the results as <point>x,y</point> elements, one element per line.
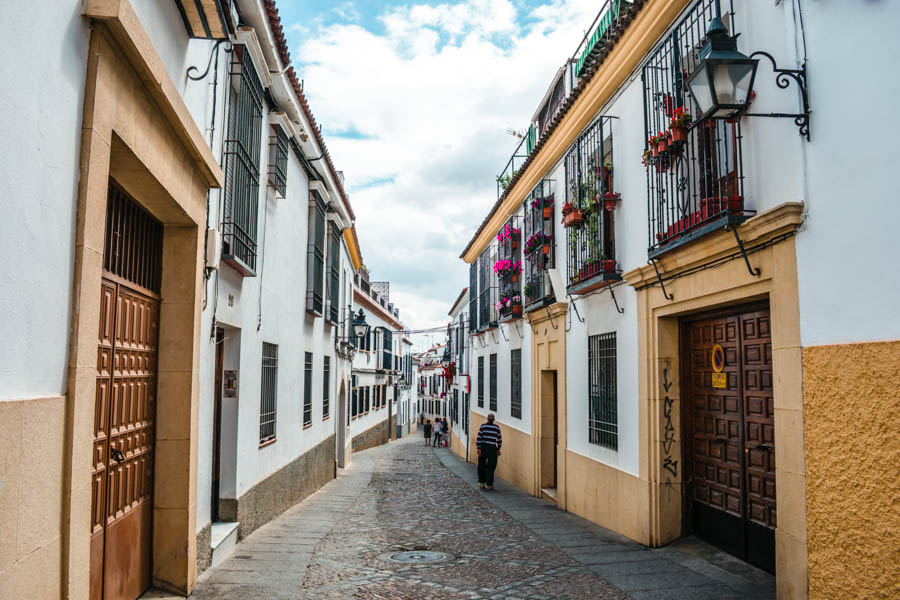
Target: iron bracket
<point>521,337</point>
<point>621,311</point>
<point>659,278</point>
<point>550,317</point>
<point>572,300</point>
<point>533,330</point>
<point>753,271</point>
<point>783,79</point>
<point>214,53</point>
<point>500,327</point>
<point>494,337</point>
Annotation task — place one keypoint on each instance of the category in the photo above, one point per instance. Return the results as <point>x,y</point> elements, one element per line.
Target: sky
<point>415,99</point>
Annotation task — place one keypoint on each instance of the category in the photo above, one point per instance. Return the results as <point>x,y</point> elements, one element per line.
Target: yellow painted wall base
<point>607,496</point>
<point>516,463</point>
<point>851,397</point>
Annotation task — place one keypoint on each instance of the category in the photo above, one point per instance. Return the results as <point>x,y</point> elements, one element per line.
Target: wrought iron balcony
<point>599,34</point>
<point>539,247</point>
<point>694,168</point>
<point>515,162</point>
<point>487,289</point>
<point>589,211</point>
<point>508,269</point>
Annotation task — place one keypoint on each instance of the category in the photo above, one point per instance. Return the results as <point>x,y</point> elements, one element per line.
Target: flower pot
<point>517,310</point>
<point>679,134</point>
<point>655,150</point>
<point>515,243</point>
<point>515,277</point>
<point>548,212</point>
<point>546,249</point>
<point>662,145</point>
<point>609,266</point>
<point>573,218</point>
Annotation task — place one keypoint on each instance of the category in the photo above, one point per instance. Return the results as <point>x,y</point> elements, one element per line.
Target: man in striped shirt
<point>489,441</point>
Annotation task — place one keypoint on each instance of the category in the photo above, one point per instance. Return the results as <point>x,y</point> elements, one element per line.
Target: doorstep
<point>223,539</point>
<point>550,495</point>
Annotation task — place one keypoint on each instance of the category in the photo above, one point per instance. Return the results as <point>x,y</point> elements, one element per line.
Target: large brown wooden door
<point>125,409</point>
<point>731,435</point>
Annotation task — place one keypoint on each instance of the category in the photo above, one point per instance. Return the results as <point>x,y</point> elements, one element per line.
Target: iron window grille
<point>487,289</point>
<point>133,242</point>
<point>590,243</point>
<point>307,389</point>
<point>334,273</point>
<point>268,392</point>
<point>461,366</point>
<point>493,376</point>
<point>315,256</point>
<point>326,388</point>
<point>473,297</point>
<point>242,149</point>
<point>354,403</point>
<point>515,401</point>
<point>480,382</point>
<point>386,348</point>
<point>368,398</point>
<point>539,245</point>
<point>278,156</point>
<point>694,186</point>
<point>553,105</point>
<point>509,270</point>
<point>603,428</point>
<point>466,413</point>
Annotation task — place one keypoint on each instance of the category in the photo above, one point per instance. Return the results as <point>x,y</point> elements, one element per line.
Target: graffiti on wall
<point>669,463</point>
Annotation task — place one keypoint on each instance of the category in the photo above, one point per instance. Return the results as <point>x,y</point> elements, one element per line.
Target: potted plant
<point>509,234</point>
<point>611,200</point>
<point>609,265</point>
<point>546,203</point>
<point>517,305</point>
<point>530,289</point>
<point>645,159</point>
<point>607,168</point>
<point>679,124</point>
<point>573,218</point>
<point>662,142</point>
<point>567,208</point>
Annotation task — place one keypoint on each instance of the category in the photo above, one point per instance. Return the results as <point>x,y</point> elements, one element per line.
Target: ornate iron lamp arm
<point>783,79</point>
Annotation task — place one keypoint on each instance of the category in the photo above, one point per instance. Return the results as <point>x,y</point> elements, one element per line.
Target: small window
<point>515,403</point>
<point>602,418</point>
<point>480,382</point>
<point>278,156</point>
<point>493,378</point>
<point>268,392</point>
<point>315,252</point>
<point>326,389</point>
<point>307,390</point>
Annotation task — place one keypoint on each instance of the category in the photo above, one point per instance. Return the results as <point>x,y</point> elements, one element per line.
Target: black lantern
<point>445,362</point>
<point>360,327</point>
<point>722,84</point>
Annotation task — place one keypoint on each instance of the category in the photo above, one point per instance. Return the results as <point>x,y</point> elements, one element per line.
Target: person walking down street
<point>422,417</point>
<point>427,431</point>
<point>488,442</point>
<point>438,430</point>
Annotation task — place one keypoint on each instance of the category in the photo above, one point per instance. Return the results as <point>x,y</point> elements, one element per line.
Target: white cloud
<point>433,96</point>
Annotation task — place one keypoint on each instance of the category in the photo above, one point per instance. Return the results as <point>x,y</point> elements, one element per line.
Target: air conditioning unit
<point>213,248</point>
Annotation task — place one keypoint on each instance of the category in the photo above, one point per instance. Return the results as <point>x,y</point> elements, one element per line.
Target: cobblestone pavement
<point>498,545</point>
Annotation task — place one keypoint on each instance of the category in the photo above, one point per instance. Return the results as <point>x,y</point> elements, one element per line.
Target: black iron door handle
<point>117,455</point>
<point>764,447</point>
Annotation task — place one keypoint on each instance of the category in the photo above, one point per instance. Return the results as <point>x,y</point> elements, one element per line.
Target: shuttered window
<point>603,428</point>
<point>315,257</point>
<point>242,149</point>
<point>473,297</point>
<point>326,389</point>
<point>278,156</point>
<point>268,392</point>
<point>334,273</point>
<point>515,390</point>
<point>387,349</point>
<point>480,382</point>
<point>493,377</point>
<point>307,390</point>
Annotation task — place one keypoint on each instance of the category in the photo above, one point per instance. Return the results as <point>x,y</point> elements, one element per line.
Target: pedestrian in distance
<point>427,431</point>
<point>421,417</point>
<point>437,431</point>
<point>488,444</point>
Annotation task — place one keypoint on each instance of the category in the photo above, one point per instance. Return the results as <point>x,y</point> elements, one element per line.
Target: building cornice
<point>374,306</point>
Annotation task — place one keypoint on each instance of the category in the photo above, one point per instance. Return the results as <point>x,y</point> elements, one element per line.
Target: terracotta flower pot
<point>515,243</point>
<point>679,134</point>
<point>515,277</point>
<point>662,145</point>
<point>546,248</point>
<point>609,266</point>
<point>548,212</point>
<point>517,310</point>
<point>655,150</point>
<point>573,218</point>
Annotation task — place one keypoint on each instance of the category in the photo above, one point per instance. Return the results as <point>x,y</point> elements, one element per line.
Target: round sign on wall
<point>718,358</point>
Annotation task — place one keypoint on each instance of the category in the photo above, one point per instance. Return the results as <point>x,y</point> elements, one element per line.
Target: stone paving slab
<point>502,545</point>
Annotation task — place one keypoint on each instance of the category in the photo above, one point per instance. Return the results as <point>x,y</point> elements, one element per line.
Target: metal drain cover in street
<point>416,556</point>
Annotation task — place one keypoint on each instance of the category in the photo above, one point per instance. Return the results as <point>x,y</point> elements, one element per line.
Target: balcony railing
<point>509,270</point>
<point>591,203</point>
<point>695,176</point>
<point>539,245</point>
<point>515,162</point>
<point>599,34</point>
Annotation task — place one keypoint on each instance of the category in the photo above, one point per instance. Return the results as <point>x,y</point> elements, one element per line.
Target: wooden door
<point>217,424</point>
<point>125,403</point>
<point>730,433</point>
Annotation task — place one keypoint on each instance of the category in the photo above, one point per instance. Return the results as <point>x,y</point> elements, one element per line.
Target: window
<point>515,402</point>
<point>334,273</point>
<point>354,402</point>
<point>473,297</point>
<point>307,390</point>
<point>278,156</point>
<point>480,382</point>
<point>487,289</point>
<point>326,389</point>
<point>368,398</point>
<point>493,399</point>
<point>387,347</point>
<point>696,183</point>
<point>461,342</point>
<point>538,245</point>
<point>242,148</point>
<point>602,420</point>
<point>315,256</point>
<point>509,251</point>
<point>268,392</point>
<point>591,248</point>
<point>466,413</point>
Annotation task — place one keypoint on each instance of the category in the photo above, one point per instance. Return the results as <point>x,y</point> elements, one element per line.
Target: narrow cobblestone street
<point>502,544</point>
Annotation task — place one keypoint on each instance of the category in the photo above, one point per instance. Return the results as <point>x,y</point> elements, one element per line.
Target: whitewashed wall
<point>41,107</point>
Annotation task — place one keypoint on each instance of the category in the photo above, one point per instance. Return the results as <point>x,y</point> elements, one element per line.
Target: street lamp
<point>360,327</point>
<point>722,84</point>
<point>445,362</point>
